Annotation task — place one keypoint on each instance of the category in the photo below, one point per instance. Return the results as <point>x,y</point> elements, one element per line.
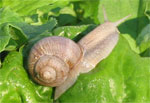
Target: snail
<point>57,61</point>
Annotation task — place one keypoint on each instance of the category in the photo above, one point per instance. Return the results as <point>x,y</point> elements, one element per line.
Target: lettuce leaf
<point>122,77</point>
<point>15,85</point>
<point>143,40</point>
<point>14,32</point>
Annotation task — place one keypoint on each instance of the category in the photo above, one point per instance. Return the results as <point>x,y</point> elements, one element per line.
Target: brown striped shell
<point>51,59</point>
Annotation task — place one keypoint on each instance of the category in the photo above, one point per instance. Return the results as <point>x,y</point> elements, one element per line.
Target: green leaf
<point>132,43</point>
<point>63,10</point>
<point>147,10</point>
<point>14,34</point>
<point>122,77</point>
<point>73,31</point>
<point>25,7</point>
<point>15,85</point>
<point>11,37</point>
<point>146,53</point>
<point>56,5</point>
<point>12,45</point>
<point>32,31</point>
<point>143,40</point>
<point>29,7</point>
<point>87,11</point>
<point>4,37</point>
<point>67,16</point>
<point>6,15</point>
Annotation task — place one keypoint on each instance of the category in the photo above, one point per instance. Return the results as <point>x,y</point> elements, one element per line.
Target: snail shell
<point>51,59</point>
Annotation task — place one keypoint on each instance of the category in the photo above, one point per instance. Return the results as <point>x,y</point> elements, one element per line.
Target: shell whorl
<point>51,59</point>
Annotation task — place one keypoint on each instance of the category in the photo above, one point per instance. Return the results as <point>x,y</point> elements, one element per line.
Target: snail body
<point>102,41</point>
<point>57,61</point>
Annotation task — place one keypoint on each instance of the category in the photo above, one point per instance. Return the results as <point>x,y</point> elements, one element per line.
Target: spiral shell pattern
<point>51,59</point>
